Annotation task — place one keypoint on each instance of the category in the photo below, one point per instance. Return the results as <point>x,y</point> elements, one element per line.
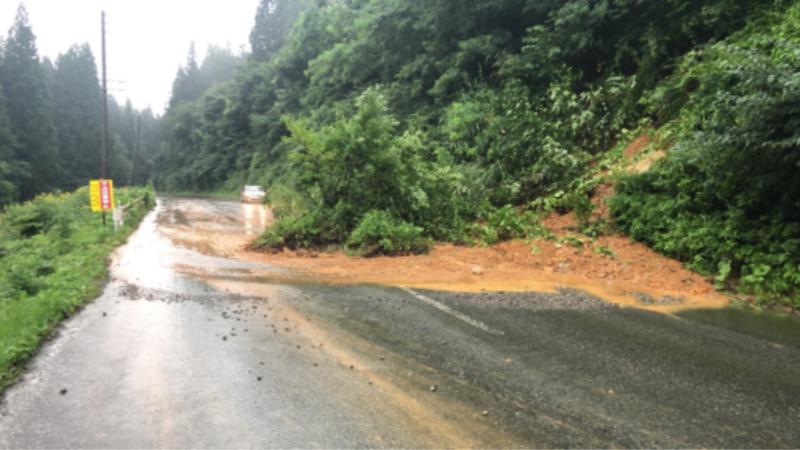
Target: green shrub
<point>507,223</point>
<point>522,141</point>
<point>605,251</point>
<point>357,164</point>
<point>32,218</point>
<point>379,233</point>
<point>305,230</point>
<point>727,198</point>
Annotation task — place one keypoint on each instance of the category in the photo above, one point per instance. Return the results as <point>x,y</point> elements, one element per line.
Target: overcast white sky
<point>147,39</point>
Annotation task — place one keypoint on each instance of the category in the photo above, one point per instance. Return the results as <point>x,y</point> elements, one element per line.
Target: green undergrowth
<point>726,199</point>
<point>53,259</point>
<point>379,233</point>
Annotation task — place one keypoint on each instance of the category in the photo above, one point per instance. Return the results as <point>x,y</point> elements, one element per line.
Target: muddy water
<point>205,230</point>
<point>620,293</point>
<point>201,226</point>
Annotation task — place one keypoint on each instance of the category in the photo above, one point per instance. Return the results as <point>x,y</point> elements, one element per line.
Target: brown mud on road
<point>635,276</point>
<point>612,267</point>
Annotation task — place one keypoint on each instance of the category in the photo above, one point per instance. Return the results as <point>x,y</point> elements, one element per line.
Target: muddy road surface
<point>188,347</point>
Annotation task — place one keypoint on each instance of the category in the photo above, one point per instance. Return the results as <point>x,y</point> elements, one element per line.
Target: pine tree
<point>274,20</point>
<point>149,145</point>
<point>8,145</point>
<point>188,84</point>
<point>29,108</point>
<point>118,149</point>
<point>77,100</point>
<point>219,65</point>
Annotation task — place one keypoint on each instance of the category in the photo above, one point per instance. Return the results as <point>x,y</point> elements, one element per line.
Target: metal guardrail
<point>118,215</point>
<point>134,203</point>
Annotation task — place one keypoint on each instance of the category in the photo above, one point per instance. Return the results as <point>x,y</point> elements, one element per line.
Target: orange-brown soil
<point>635,153</point>
<point>637,146</point>
<point>539,265</point>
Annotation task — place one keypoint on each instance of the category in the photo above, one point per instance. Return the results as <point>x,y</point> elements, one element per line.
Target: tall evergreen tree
<point>127,131</point>
<point>274,20</point>
<point>188,84</point>
<point>146,148</point>
<point>219,65</point>
<point>8,145</point>
<point>29,107</point>
<point>77,100</point>
<point>120,124</point>
<point>49,70</point>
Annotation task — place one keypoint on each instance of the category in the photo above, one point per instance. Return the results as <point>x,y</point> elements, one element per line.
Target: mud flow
<point>633,276</point>
<point>612,268</point>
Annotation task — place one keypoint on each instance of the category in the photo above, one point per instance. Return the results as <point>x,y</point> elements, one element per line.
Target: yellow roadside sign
<point>101,194</point>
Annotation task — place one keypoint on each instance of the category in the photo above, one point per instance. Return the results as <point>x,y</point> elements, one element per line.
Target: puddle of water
<point>782,329</point>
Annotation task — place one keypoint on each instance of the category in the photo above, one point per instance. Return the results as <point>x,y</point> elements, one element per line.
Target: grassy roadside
<point>53,259</point>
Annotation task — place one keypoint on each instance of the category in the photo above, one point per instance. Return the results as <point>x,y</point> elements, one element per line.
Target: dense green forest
<point>385,124</point>
<point>50,122</point>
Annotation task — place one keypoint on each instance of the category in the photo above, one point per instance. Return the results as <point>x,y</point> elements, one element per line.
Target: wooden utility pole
<point>104,149</point>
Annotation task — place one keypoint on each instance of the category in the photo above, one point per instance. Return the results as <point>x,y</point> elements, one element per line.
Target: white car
<point>253,194</point>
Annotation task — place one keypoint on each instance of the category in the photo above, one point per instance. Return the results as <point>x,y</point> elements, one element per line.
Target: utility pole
<point>104,149</point>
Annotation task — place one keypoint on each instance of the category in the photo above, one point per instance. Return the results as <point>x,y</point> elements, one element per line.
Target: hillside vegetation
<point>385,124</point>
<point>727,198</point>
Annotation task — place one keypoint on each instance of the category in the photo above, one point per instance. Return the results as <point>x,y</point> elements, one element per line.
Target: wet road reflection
<point>255,218</point>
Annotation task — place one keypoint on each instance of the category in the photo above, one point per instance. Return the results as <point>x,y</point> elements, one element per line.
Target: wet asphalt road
<point>190,350</point>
